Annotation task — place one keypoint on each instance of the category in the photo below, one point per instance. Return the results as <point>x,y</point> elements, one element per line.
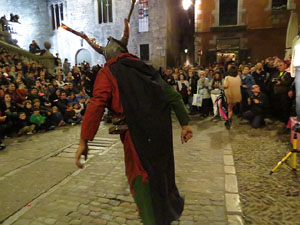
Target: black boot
<point>228,124</point>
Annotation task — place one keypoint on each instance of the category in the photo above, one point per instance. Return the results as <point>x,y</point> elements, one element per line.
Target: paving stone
<point>133,222</point>
<point>86,219</point>
<point>22,222</point>
<point>107,217</point>
<point>186,218</point>
<point>36,223</point>
<point>64,218</point>
<point>75,222</point>
<point>218,223</point>
<point>200,218</point>
<point>95,209</point>
<point>61,223</point>
<point>186,222</point>
<point>84,211</point>
<point>99,222</point>
<point>112,223</point>
<point>235,220</point>
<point>233,203</point>
<point>229,169</point>
<point>228,160</point>
<point>120,220</point>
<point>74,215</point>
<point>114,202</point>
<point>95,214</point>
<point>103,200</point>
<point>50,221</point>
<point>231,184</point>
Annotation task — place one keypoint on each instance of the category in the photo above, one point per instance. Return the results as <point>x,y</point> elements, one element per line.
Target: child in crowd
<point>28,108</point>
<point>40,121</point>
<point>72,98</point>
<point>57,117</point>
<point>78,110</point>
<point>23,125</point>
<point>70,115</point>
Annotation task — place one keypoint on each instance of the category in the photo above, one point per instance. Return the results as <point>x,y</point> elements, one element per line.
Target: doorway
<point>83,55</point>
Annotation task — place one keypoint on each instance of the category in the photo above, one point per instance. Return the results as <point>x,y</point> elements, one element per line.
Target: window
<point>144,52</point>
<point>143,16</point>
<point>61,12</point>
<point>52,17</point>
<point>228,12</point>
<point>57,15</point>
<point>279,4</point>
<point>105,11</point>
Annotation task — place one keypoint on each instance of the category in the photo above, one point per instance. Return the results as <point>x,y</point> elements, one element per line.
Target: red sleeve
<point>101,95</point>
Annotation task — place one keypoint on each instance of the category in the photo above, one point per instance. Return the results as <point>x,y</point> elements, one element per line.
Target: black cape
<point>148,115</point>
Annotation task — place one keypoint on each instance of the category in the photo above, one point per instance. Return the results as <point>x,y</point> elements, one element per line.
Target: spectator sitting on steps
<point>34,48</point>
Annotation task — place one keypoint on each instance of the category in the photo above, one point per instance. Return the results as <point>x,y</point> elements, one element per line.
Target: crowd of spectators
<point>33,100</point>
<point>254,92</point>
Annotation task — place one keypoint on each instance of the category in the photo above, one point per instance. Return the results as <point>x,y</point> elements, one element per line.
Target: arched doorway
<point>83,55</point>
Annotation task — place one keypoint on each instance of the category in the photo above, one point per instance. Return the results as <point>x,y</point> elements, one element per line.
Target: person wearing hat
<point>141,103</point>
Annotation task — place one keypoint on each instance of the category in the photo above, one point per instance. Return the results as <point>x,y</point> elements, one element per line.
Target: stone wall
<point>34,20</point>
<point>82,15</point>
<point>156,37</point>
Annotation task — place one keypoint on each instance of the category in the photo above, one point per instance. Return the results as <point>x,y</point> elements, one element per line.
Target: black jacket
<point>260,79</point>
<point>193,83</point>
<point>261,107</point>
<point>23,123</point>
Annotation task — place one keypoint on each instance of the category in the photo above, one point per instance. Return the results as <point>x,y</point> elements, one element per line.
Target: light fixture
<point>186,4</point>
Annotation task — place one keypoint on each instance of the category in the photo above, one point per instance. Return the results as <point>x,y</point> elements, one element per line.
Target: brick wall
<point>263,33</point>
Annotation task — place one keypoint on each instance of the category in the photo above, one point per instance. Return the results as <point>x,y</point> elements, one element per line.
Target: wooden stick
<point>131,9</point>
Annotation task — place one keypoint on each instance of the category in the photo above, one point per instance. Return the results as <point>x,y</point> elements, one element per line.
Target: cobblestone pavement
<point>266,200</point>
<point>40,184</point>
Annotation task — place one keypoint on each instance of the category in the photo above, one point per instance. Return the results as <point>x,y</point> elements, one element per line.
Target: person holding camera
<point>258,103</point>
<point>259,76</point>
<point>281,102</point>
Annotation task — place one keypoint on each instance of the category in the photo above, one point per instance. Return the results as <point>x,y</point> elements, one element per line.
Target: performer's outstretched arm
<point>180,110</point>
<point>93,115</point>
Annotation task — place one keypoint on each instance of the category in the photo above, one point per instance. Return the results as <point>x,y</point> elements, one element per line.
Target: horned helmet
<point>114,47</point>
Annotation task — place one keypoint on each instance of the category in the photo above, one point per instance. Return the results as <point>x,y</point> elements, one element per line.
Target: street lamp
<point>186,4</point>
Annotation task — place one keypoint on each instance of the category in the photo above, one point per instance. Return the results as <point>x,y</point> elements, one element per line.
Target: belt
<point>119,126</point>
<point>117,129</point>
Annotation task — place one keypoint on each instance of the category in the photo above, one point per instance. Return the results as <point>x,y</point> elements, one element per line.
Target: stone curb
<point>232,197</point>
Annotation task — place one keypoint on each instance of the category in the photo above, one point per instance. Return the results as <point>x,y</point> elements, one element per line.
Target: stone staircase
<point>46,60</point>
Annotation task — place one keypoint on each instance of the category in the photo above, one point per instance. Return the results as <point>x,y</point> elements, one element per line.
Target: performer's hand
<point>290,94</point>
<point>82,150</point>
<point>186,134</point>
<point>256,101</point>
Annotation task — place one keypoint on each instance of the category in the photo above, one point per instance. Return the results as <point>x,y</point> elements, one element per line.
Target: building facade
<point>247,30</point>
<point>154,36</point>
